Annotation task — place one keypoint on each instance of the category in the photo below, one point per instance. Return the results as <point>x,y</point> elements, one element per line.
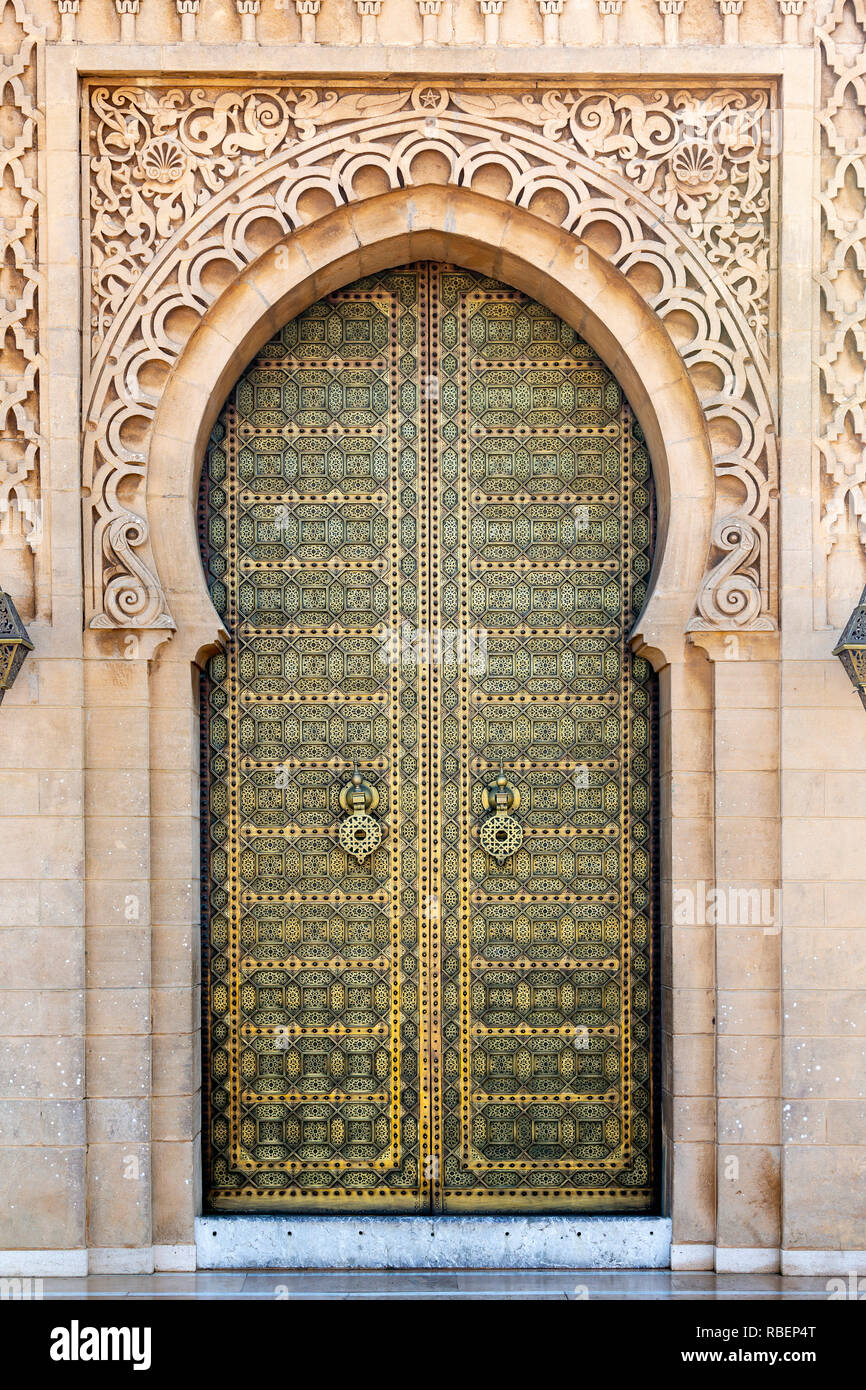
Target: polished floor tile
<point>570,1285</point>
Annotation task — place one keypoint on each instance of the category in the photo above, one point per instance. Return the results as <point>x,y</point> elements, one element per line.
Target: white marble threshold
<point>423,1242</point>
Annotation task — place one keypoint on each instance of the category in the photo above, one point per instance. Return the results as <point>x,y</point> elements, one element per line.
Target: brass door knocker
<point>360,832</point>
<point>501,833</point>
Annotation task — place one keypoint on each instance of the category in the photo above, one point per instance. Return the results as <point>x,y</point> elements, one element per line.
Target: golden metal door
<point>426,516</point>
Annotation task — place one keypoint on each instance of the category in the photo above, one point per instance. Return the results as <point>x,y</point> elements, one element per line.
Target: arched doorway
<point>427,523</point>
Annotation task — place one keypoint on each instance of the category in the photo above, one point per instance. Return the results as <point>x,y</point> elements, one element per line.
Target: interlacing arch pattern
<point>672,186</point>
<point>21,40</point>
<point>842,358</point>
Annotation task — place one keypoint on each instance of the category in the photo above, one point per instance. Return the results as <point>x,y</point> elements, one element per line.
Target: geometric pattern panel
<point>311,503</point>
<point>427,520</point>
<point>543,527</point>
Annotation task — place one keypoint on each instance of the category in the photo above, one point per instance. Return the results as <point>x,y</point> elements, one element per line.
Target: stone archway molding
<point>187,194</point>
<point>454,225</point>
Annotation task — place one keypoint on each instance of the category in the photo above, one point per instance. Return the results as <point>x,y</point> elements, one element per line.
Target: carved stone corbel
<point>731,595</point>
<point>132,595</point>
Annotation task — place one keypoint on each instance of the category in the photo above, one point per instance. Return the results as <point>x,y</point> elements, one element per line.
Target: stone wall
<point>729,300</point>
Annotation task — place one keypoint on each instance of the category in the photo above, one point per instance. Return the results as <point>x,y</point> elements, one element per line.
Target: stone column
<point>128,10</point>
<point>731,11</point>
<point>307,11</point>
<point>369,11</point>
<point>491,10</point>
<point>550,12</point>
<point>249,12</point>
<point>67,9</point>
<point>610,11</point>
<point>791,11</point>
<point>743,908</point>
<point>118,872</point>
<point>687,957</point>
<point>188,10</point>
<point>430,10</point>
<point>176,972</point>
<point>671,11</point>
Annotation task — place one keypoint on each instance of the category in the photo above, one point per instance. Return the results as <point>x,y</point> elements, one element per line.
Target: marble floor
<point>653,1284</point>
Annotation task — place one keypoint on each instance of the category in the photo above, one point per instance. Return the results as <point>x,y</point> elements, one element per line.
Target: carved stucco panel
<point>842,199</point>
<point>674,186</point>
<point>21,43</point>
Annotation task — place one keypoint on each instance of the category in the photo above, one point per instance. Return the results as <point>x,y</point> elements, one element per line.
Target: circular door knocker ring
<point>360,833</point>
<point>501,833</point>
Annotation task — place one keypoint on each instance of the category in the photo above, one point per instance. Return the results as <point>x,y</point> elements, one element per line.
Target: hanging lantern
<point>851,648</point>
<point>14,643</point>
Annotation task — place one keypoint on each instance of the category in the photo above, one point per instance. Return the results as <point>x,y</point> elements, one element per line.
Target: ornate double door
<point>427,765</point>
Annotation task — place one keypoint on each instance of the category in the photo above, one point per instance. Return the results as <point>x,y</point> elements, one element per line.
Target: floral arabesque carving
<point>842,352</point>
<point>20,202</point>
<point>180,175</point>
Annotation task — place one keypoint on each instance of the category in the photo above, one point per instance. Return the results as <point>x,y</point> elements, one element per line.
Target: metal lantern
<point>14,643</point>
<point>851,648</point>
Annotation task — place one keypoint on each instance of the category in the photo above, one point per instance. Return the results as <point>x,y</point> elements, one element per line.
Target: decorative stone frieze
<point>673,185</point>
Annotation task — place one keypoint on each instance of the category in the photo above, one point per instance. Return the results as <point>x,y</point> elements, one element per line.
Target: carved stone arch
<point>457,226</point>
<point>196,177</point>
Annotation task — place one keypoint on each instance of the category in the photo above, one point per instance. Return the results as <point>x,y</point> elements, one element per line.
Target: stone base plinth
<point>446,1242</point>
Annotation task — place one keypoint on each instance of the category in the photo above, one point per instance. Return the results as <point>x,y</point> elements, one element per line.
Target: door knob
<point>360,832</point>
<point>501,833</point>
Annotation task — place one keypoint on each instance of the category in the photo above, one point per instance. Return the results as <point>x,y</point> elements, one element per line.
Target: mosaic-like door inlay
<point>426,515</point>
